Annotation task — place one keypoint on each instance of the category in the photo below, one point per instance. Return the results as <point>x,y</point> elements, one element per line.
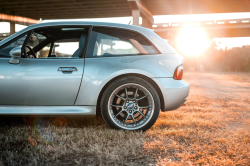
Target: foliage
<point>236,59</point>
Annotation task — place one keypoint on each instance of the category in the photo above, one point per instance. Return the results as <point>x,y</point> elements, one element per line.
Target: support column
<point>146,23</point>
<point>12,28</point>
<point>136,17</point>
<point>138,8</point>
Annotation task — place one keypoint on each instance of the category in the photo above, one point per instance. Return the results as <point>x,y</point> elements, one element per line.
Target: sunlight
<point>192,41</point>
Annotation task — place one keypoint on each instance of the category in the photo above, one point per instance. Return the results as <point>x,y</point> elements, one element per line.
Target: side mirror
<point>15,54</point>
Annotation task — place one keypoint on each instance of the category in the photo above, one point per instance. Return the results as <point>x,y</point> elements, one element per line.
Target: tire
<point>130,103</point>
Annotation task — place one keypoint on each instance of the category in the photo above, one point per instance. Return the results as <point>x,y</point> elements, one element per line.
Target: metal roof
<point>69,9</point>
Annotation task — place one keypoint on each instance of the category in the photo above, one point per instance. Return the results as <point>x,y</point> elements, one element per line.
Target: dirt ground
<point>212,129</point>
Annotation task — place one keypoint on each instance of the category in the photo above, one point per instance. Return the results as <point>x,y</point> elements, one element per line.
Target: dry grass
<point>212,129</point>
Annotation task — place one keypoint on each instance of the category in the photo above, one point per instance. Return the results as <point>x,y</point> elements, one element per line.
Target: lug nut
<point>125,107</point>
<point>135,107</point>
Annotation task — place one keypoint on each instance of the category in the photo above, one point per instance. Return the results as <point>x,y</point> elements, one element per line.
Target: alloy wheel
<point>131,106</point>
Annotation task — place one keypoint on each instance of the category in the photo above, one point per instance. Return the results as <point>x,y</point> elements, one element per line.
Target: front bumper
<point>174,92</point>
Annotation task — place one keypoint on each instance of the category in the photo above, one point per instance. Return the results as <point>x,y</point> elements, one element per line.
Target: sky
<point>198,39</point>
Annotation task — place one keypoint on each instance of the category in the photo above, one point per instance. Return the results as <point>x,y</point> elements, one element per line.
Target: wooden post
<point>139,9</point>
<point>136,16</point>
<point>12,28</point>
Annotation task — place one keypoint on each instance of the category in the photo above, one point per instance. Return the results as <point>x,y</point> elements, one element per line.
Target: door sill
<point>47,110</point>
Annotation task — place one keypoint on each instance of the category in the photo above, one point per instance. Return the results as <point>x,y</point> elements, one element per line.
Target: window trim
<point>93,37</point>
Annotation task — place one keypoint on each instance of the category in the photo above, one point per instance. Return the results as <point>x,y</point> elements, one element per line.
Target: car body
<point>55,85</point>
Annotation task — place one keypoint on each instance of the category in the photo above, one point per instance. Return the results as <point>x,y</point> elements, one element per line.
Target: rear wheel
<point>130,103</point>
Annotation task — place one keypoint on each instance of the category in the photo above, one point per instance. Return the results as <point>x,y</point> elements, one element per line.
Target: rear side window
<point>115,42</point>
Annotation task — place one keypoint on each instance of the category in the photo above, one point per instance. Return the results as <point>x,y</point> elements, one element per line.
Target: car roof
<point>87,23</point>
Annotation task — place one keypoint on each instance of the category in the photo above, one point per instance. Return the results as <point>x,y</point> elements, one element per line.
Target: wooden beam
<point>18,19</point>
<point>100,14</point>
<point>146,23</point>
<point>138,5</point>
<point>58,1</point>
<point>67,7</point>
<point>72,12</point>
<point>66,16</point>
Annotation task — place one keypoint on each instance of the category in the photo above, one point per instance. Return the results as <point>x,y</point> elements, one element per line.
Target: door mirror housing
<point>15,54</point>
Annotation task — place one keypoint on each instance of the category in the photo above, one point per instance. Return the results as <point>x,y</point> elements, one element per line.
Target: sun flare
<point>192,41</point>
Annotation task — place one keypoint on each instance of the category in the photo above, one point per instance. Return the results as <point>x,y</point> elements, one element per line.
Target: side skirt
<point>47,110</point>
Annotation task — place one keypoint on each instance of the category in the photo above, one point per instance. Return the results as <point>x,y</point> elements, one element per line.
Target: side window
<point>34,40</point>
<point>112,42</point>
<point>5,50</point>
<point>61,42</point>
<point>44,52</point>
<point>65,48</point>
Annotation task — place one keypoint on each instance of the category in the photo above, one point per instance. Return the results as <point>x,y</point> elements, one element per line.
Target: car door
<point>40,81</point>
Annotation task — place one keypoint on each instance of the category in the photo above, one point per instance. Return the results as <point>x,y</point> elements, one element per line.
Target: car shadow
<point>57,121</point>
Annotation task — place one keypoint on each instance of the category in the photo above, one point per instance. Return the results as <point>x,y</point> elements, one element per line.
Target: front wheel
<point>130,103</point>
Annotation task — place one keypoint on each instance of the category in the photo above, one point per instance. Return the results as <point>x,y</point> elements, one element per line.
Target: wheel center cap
<point>130,106</point>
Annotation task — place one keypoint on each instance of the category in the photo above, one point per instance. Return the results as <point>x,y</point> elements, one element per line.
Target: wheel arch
<point>151,81</point>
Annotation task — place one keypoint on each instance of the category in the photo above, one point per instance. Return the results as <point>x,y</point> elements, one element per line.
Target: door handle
<point>67,69</point>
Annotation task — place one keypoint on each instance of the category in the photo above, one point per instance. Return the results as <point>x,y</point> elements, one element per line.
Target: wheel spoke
<point>119,112</point>
<point>145,107</point>
<point>135,93</point>
<point>126,118</point>
<point>133,119</point>
<point>126,92</point>
<point>142,97</point>
<point>141,113</point>
<point>120,97</point>
<point>119,106</point>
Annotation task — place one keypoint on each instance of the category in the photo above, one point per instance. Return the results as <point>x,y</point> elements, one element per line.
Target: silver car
<point>126,74</point>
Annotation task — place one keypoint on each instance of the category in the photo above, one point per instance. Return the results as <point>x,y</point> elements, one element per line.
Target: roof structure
<point>71,9</point>
<point>29,12</point>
